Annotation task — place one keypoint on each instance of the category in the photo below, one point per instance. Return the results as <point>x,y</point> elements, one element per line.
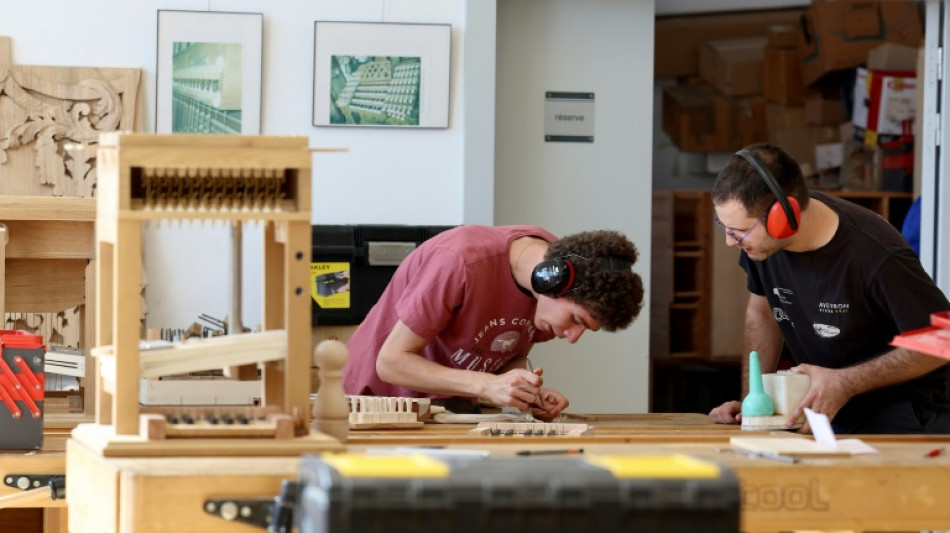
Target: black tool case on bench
<point>366,257</point>
<point>345,493</point>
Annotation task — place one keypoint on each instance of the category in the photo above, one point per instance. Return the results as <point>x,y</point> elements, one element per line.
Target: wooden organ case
<point>193,178</point>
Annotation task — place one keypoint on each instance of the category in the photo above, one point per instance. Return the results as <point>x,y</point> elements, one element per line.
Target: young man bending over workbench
<point>464,309</point>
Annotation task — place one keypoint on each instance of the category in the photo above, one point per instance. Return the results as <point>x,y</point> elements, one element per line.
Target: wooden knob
<point>331,355</point>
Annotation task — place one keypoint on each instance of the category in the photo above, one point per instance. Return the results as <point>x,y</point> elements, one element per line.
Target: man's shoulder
<point>473,234</point>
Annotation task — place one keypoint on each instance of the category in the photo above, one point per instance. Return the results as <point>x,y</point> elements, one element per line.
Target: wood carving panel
<point>50,121</point>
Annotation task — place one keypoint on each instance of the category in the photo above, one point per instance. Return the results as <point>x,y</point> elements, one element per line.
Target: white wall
<point>389,176</point>
<point>602,46</point>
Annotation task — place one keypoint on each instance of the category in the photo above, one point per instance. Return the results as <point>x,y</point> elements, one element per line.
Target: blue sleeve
<point>910,229</point>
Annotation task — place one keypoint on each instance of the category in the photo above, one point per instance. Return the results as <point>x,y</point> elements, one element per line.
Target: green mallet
<point>757,402</point>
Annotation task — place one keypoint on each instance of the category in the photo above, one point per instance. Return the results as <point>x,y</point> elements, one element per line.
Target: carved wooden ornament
<point>50,121</point>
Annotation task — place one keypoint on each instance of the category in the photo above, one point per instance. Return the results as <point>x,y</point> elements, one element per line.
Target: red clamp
<point>24,386</point>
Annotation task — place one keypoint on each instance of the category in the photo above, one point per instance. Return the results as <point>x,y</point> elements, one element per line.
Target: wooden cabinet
<point>695,276</point>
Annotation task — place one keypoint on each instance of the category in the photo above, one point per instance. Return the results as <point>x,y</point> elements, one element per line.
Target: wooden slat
<point>50,239</point>
<point>44,286</point>
<point>43,208</point>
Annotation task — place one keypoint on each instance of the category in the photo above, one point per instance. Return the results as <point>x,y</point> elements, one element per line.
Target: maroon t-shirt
<point>457,290</point>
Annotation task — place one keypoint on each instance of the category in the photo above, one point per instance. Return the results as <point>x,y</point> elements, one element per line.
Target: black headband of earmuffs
<point>555,277</point>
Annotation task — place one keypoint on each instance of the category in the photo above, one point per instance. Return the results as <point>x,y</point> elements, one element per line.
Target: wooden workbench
<point>897,490</point>
<point>51,460</point>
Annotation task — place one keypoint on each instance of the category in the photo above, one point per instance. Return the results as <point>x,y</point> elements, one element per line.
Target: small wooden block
<point>283,425</point>
<point>152,427</point>
<point>387,425</point>
<point>768,423</point>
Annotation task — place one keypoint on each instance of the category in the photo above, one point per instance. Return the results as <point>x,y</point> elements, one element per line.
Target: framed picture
<point>209,72</point>
<point>381,74</point>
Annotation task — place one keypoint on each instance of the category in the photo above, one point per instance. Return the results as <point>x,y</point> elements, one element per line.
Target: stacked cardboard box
<point>885,110</point>
<point>782,74</point>
<point>792,83</point>
<point>724,109</point>
<point>836,35</point>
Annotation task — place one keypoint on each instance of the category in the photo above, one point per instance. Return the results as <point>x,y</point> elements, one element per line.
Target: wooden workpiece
<point>51,116</point>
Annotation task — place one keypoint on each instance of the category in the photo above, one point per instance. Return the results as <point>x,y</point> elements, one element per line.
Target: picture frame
<point>368,74</point>
<point>208,72</point>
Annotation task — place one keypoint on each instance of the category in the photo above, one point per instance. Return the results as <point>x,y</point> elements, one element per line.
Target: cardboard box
<point>782,76</point>
<point>780,118</point>
<point>837,35</point>
<point>892,56</point>
<point>858,172</point>
<point>885,105</point>
<point>751,125</point>
<point>823,111</point>
<point>782,36</point>
<point>800,143</point>
<point>698,118</point>
<point>677,38</point>
<point>733,66</point>
<point>828,155</point>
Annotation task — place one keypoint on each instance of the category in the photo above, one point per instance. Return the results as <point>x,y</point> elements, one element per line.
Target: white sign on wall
<point>568,117</point>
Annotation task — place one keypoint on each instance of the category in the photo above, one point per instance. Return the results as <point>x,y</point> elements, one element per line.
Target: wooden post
<point>273,311</point>
<point>126,301</point>
<point>4,239</point>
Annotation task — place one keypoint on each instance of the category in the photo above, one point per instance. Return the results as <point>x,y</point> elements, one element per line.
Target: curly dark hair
<point>612,298</point>
<point>739,180</point>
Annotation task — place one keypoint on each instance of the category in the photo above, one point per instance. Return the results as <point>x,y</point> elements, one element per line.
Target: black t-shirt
<point>844,303</point>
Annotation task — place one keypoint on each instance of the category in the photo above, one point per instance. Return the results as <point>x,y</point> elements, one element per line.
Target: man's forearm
<point>896,366</point>
<point>422,375</point>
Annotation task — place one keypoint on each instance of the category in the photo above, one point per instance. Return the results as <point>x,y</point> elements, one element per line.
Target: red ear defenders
<point>555,277</point>
<point>784,214</point>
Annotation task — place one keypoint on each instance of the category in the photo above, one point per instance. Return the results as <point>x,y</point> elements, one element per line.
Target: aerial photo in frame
<point>206,87</point>
<point>374,90</point>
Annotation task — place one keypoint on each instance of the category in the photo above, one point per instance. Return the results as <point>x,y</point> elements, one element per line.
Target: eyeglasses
<point>733,236</point>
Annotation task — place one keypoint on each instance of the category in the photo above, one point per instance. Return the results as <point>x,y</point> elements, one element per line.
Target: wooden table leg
<point>55,520</point>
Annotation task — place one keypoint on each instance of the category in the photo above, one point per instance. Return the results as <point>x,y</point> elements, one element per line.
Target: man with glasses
<point>834,282</point>
<point>462,311</point>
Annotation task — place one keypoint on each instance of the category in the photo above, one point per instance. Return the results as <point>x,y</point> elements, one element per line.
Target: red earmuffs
<point>785,213</point>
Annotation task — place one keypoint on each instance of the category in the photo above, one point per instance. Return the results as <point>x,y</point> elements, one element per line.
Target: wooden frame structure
<point>147,177</point>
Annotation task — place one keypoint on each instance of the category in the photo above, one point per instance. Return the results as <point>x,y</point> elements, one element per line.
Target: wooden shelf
<point>892,205</point>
